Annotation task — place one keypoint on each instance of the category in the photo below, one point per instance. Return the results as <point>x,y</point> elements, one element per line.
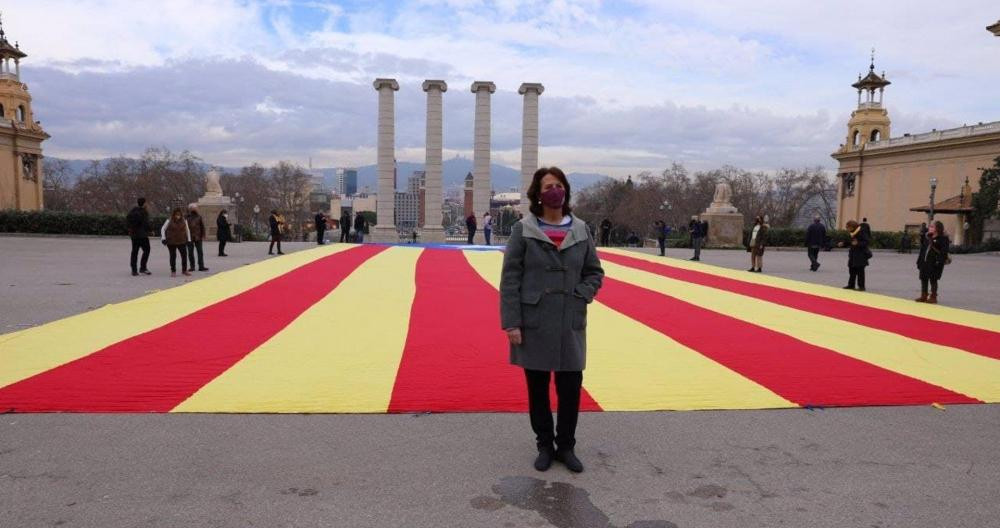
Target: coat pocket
<point>531,316</point>
<point>579,307</point>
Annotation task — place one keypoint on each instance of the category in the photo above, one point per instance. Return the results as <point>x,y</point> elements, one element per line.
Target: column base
<point>383,234</point>
<point>431,235</point>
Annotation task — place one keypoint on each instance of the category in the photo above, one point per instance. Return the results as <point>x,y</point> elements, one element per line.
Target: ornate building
<point>20,135</point>
<point>889,179</point>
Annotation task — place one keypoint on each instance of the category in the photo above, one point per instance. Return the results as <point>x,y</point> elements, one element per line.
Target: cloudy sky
<point>629,85</point>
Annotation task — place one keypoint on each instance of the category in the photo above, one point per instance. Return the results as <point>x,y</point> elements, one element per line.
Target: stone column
<point>385,228</point>
<point>432,230</point>
<point>529,138</point>
<point>481,155</point>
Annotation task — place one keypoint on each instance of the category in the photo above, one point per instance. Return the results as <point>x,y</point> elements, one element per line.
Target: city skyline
<point>629,86</point>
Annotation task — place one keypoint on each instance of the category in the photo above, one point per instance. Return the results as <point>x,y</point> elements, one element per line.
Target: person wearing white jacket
<point>175,234</point>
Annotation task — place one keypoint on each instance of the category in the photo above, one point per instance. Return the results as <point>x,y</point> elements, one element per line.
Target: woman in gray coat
<point>550,274</point>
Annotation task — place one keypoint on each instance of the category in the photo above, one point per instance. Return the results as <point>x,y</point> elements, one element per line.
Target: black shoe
<point>145,272</point>
<point>848,287</point>
<point>270,252</point>
<point>752,270</point>
<point>135,273</point>
<point>861,289</point>
<point>202,269</point>
<point>544,460</point>
<point>280,253</point>
<point>568,458</point>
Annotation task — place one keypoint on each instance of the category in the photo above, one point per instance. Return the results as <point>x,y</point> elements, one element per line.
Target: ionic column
<point>432,230</point>
<point>481,155</point>
<point>529,138</point>
<point>385,228</point>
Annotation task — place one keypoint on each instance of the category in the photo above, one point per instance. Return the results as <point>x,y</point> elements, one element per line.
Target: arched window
<point>20,114</point>
<point>876,135</point>
<point>856,138</point>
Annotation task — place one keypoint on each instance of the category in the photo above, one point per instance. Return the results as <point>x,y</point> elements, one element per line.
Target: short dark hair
<point>535,190</point>
<point>141,201</point>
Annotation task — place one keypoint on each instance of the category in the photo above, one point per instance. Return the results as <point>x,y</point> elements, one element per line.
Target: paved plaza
<point>867,466</point>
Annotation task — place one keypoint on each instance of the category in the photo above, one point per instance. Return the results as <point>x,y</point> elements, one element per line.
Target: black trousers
<point>472,235</point>
<point>857,274</point>
<point>193,246</point>
<point>345,234</point>
<point>923,285</point>
<point>813,257</point>
<point>222,247</point>
<point>274,240</point>
<point>182,249</point>
<point>568,393</point>
<point>696,243</point>
<point>319,236</point>
<point>663,246</point>
<point>137,244</point>
<point>605,236</point>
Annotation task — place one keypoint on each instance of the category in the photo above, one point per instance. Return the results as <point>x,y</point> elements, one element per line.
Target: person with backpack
<point>815,239</point>
<point>137,222</point>
<point>275,222</point>
<point>931,261</point>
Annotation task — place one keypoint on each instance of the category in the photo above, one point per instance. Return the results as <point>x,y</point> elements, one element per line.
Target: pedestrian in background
<point>360,226</point>
<point>857,256</point>
<point>550,274</point>
<point>320,221</point>
<point>223,231</point>
<point>137,222</point>
<point>487,227</point>
<point>175,234</point>
<point>605,232</point>
<point>815,239</point>
<point>276,223</point>
<point>758,242</point>
<point>470,226</point>
<point>931,261</point>
<point>345,227</point>
<point>197,228</point>
<point>697,236</point>
<point>662,230</point>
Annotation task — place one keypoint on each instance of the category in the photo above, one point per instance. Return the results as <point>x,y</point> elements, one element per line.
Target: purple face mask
<point>553,197</point>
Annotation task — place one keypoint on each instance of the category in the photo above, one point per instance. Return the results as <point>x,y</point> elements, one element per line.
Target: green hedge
<point>63,223</point>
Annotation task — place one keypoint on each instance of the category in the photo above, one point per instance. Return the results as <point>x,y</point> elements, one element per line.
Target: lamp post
<point>930,213</point>
<point>256,211</point>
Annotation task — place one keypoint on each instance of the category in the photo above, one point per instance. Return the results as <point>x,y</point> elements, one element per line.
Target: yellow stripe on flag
<point>339,356</point>
<point>631,367</point>
<point>935,312</point>
<point>970,374</point>
<point>29,352</point>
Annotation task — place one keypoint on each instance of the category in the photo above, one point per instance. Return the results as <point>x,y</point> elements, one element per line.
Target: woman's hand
<point>514,335</point>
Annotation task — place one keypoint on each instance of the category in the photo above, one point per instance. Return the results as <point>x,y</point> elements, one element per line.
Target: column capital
<point>381,83</point>
<point>483,85</point>
<point>435,83</point>
<point>531,87</point>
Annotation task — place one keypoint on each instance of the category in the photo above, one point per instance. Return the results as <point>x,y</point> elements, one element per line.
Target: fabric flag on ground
<point>377,328</point>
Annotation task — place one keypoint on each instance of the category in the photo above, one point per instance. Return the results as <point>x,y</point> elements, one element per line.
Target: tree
<point>985,200</point>
<point>57,193</point>
<point>290,185</point>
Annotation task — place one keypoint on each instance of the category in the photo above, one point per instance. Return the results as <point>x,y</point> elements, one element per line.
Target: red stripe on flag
<point>157,370</point>
<point>975,340</point>
<point>456,357</point>
<point>798,371</point>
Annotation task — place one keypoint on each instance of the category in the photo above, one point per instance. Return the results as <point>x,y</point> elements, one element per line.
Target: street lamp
<point>256,211</point>
<point>930,213</point>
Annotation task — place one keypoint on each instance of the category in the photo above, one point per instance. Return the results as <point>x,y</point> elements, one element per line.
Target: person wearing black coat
<point>223,231</point>
<point>697,230</point>
<point>275,222</point>
<point>857,256</point>
<point>137,222</point>
<point>470,226</point>
<point>320,221</point>
<point>815,239</point>
<point>345,227</point>
<point>360,224</point>
<point>931,261</point>
<point>605,232</point>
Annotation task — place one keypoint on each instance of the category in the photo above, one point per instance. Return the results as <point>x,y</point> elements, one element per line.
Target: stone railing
<point>937,135</point>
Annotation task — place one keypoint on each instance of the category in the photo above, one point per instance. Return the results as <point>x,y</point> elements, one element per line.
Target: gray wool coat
<point>545,291</point>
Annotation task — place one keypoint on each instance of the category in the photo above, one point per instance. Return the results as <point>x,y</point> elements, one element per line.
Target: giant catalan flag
<point>376,328</point>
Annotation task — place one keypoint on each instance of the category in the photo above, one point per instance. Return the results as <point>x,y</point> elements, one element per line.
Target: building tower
<point>870,122</point>
<point>20,135</point>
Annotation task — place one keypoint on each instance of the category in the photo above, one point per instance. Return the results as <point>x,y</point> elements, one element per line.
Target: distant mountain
<point>453,174</point>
